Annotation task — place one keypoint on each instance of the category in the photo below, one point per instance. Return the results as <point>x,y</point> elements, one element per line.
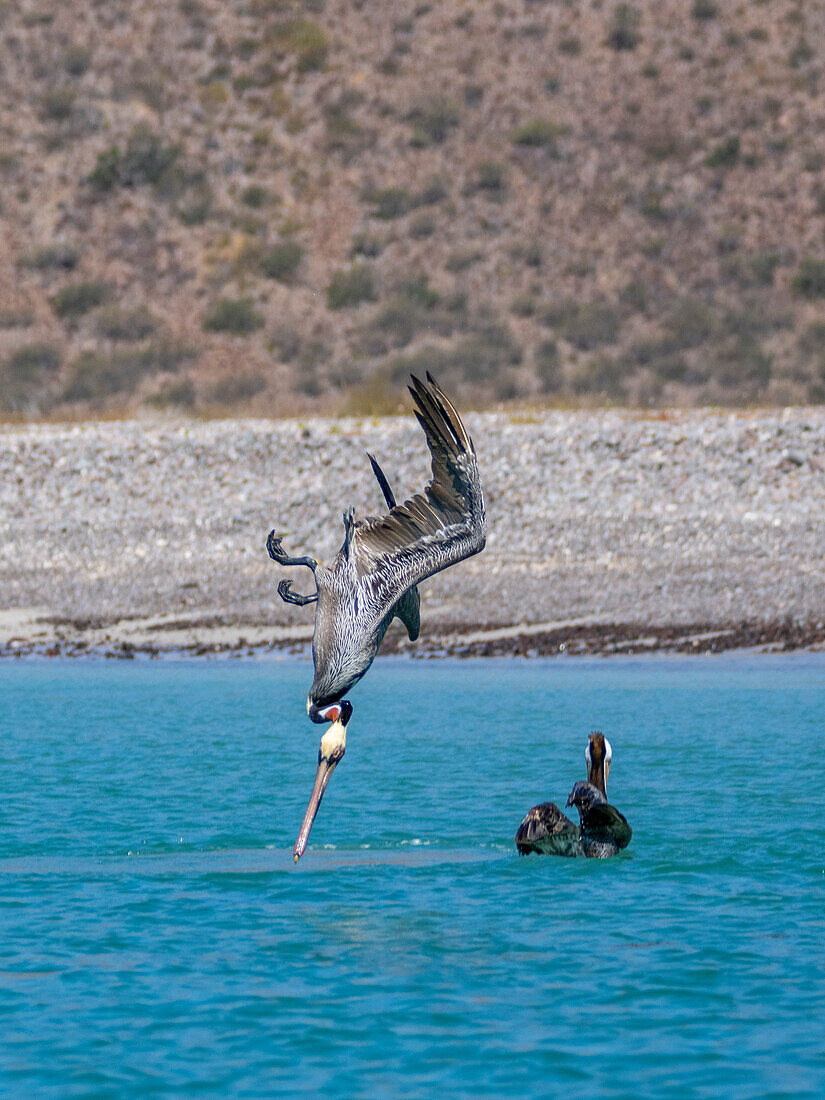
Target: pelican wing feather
<point>547,830</point>
<point>606,824</point>
<point>437,527</point>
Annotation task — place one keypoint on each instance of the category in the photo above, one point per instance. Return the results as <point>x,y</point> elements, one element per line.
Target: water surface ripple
<point>156,939</point>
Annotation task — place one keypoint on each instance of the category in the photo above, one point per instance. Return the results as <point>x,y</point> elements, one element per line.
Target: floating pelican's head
<point>598,755</point>
<point>330,754</point>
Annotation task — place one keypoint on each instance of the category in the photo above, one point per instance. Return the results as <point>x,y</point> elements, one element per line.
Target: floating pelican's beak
<point>330,754</point>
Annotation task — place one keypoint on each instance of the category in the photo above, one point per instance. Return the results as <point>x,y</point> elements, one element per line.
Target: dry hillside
<point>282,207</point>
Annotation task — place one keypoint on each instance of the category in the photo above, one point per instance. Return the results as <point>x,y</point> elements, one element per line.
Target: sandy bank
<point>604,525</point>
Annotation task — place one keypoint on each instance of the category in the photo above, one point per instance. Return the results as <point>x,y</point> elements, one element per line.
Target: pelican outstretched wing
<point>437,527</point>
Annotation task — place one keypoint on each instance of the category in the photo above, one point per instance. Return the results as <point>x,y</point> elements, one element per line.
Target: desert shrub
<point>540,133</point>
<point>168,355</point>
<point>16,318</point>
<point>473,94</point>
<point>409,310</point>
<point>145,160</point>
<point>809,281</point>
<point>689,324</point>
<point>24,372</point>
<point>548,365</point>
<point>364,244</point>
<point>724,155</point>
<point>593,324</point>
<point>390,202</point>
<point>483,355</point>
<point>432,122</point>
<point>306,40</point>
<point>660,143</point>
<point>418,291</point>
<point>742,364</point>
<point>286,344</point>
<point>704,9</point>
<point>753,317</point>
<point>58,257</point>
<point>115,323</point>
<point>523,305</point>
<point>487,357</point>
<point>651,203</point>
<point>351,287</point>
<point>254,196</point>
<point>56,104</point>
<point>237,316</point>
<point>282,260</point>
<point>463,258</point>
<point>623,33</point>
<point>95,376</point>
<point>435,190</point>
<point>235,388</point>
<point>801,53</point>
<point>77,60</point>
<point>675,368</point>
<point>215,94</point>
<point>528,252</point>
<point>178,392</point>
<point>570,44</point>
<point>196,209</point>
<point>78,298</point>
<point>492,178</point>
<point>559,313</point>
<point>812,341</point>
<point>601,376</point>
<point>421,226</point>
<point>377,396</point>
<point>635,295</point>
<point>343,133</point>
<point>31,363</point>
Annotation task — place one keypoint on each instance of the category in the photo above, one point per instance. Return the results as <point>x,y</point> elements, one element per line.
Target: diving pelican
<point>602,830</point>
<point>374,576</point>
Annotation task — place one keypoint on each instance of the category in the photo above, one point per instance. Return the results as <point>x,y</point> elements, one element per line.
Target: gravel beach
<point>609,531</point>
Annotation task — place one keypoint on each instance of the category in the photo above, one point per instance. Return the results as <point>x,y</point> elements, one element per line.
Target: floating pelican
<point>602,830</point>
<point>374,576</point>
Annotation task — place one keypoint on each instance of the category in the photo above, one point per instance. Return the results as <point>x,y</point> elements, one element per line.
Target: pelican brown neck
<point>598,755</point>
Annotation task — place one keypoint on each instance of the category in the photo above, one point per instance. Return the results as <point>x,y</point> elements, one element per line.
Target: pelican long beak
<point>330,754</point>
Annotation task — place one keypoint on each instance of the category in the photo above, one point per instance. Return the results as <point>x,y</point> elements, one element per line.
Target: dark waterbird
<point>374,576</point>
<point>602,831</point>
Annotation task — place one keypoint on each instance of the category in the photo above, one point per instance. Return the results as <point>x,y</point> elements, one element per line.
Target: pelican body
<point>602,831</point>
<point>374,577</point>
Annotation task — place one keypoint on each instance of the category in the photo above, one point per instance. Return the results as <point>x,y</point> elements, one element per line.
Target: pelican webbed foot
<point>278,554</point>
<point>284,591</point>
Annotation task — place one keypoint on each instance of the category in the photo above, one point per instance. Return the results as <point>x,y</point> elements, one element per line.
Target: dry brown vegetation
<point>282,207</point>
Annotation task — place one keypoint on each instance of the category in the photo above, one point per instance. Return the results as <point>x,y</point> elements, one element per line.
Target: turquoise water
<point>156,939</point>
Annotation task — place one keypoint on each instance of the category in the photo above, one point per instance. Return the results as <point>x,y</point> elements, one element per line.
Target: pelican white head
<point>330,754</point>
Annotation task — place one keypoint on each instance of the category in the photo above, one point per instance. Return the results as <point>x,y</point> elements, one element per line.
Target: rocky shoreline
<point>610,532</point>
